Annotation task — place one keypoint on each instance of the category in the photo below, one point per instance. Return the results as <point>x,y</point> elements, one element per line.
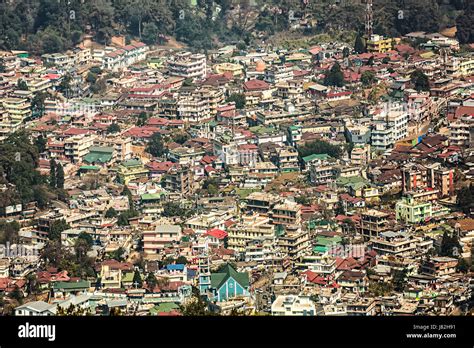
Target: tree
<point>141,119</point>
<point>171,209</point>
<point>450,245</point>
<point>111,213</point>
<point>368,78</point>
<point>124,217</point>
<point>40,143</point>
<point>150,33</point>
<point>56,228</point>
<point>465,198</point>
<point>86,237</point>
<point>420,80</point>
<point>118,254</point>
<point>9,232</point>
<point>32,284</point>
<point>52,173</point>
<point>346,52</point>
<point>155,145</point>
<point>113,128</point>
<point>137,279</point>
<point>334,77</point>
<point>37,104</point>
<point>181,260</point>
<point>22,85</point>
<point>399,279</point>
<point>180,137</point>
<point>465,25</point>
<point>151,280</point>
<point>195,306</point>
<point>59,176</point>
<point>359,46</point>
<point>238,98</point>
<point>91,77</point>
<point>462,266</point>
<point>65,84</point>
<point>320,147</point>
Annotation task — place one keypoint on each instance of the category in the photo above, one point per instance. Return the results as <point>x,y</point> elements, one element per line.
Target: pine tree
<point>334,77</point>
<point>137,279</point>
<point>359,46</point>
<point>59,176</point>
<point>52,173</point>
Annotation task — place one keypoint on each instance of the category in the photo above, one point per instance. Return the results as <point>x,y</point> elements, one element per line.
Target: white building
<point>293,305</point>
<point>188,65</point>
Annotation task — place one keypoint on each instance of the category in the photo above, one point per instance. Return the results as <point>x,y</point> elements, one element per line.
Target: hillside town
<point>321,181</point>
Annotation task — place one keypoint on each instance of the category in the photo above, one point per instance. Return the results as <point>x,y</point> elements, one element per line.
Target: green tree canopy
<point>334,77</point>
<point>156,146</point>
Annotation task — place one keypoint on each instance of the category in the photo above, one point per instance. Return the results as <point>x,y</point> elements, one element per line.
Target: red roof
<point>216,233</point>
<point>256,85</point>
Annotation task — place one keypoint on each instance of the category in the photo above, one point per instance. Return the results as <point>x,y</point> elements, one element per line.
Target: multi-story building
<point>373,222</point>
<point>179,180</point>
<point>287,159</point>
<point>287,214</point>
<point>417,176</point>
<point>461,131</point>
<point>379,44</point>
<point>293,243</point>
<point>261,203</point>
<point>162,235</point>
<point>278,73</point>
<point>130,170</point>
<point>250,227</point>
<point>360,155</point>
<point>411,211</point>
<point>358,134</point>
<point>77,146</point>
<point>17,109</point>
<point>188,65</point>
<point>324,265</point>
<point>395,243</point>
<point>439,266</point>
<point>389,127</point>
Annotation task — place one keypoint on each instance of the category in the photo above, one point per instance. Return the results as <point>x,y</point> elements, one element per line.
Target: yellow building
<point>379,44</point>
<point>234,69</point>
<point>18,109</point>
<point>131,170</point>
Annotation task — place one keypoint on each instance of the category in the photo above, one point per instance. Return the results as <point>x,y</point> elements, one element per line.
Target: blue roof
<point>175,267</point>
<point>191,273</point>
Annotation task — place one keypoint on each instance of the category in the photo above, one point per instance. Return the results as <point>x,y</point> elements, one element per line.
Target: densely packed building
<point>246,175</point>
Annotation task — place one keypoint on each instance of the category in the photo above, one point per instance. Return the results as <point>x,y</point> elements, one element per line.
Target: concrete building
<point>188,65</point>
<point>293,305</point>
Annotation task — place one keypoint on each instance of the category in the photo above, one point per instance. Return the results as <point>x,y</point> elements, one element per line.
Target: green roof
<point>326,241</point>
<point>99,154</point>
<point>127,277</point>
<point>151,196</point>
<point>132,163</point>
<point>89,168</point>
<point>260,130</point>
<point>351,181</point>
<point>218,279</point>
<point>319,156</point>
<point>81,284</point>
<point>164,307</point>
